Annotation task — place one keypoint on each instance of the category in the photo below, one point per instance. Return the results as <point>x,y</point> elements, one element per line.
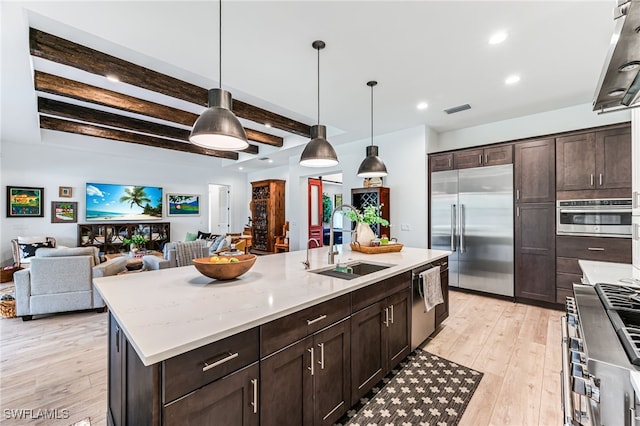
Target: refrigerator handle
<point>462,247</point>
<point>453,227</point>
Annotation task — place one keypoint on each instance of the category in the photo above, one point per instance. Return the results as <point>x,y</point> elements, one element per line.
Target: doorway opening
<point>324,194</point>
<point>219,209</point>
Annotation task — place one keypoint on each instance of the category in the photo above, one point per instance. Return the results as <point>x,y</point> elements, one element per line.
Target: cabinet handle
<point>311,365</point>
<point>595,249</point>
<point>386,317</point>
<point>117,339</point>
<point>254,403</point>
<point>634,232</point>
<point>486,158</point>
<point>517,211</point>
<point>313,321</point>
<point>600,178</point>
<point>229,357</point>
<point>517,194</point>
<point>321,362</point>
<point>449,161</point>
<point>391,316</point>
<point>634,200</point>
<point>480,159</point>
<point>591,184</point>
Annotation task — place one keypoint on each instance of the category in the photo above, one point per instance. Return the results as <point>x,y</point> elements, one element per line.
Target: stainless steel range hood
<point>619,84</point>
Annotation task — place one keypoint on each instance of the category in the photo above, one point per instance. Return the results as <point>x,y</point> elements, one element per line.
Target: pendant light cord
<point>318,86</point>
<point>372,115</point>
<point>220,43</point>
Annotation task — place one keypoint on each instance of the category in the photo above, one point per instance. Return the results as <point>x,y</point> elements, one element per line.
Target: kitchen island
<point>164,321</point>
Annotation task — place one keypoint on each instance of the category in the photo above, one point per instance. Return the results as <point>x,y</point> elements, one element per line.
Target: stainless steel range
<point>600,347</point>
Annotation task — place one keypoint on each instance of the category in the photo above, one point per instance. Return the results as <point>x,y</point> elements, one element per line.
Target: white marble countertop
<point>609,272</point>
<point>168,312</point>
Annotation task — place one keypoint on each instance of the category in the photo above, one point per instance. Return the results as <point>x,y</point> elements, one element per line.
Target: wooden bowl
<point>224,271</point>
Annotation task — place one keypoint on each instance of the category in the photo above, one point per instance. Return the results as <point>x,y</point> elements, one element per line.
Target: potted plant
<point>136,242</point>
<point>370,215</point>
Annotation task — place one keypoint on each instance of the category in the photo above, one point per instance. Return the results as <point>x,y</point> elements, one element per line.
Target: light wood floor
<point>60,362</point>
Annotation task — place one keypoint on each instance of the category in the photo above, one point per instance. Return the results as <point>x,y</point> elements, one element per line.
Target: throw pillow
<point>203,235</point>
<point>29,250</point>
<point>225,243</point>
<point>190,236</point>
<point>215,243</point>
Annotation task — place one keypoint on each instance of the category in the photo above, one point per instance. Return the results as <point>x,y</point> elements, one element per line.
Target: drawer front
<point>595,248</point>
<point>565,281</point>
<point>369,295</point>
<point>189,371</point>
<point>568,265</point>
<point>282,332</point>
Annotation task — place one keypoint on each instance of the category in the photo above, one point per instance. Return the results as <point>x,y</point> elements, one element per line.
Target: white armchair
<point>61,280</point>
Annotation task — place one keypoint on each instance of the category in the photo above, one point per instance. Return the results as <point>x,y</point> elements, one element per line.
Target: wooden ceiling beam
<point>66,52</point>
<point>52,123</point>
<point>61,86</point>
<point>103,118</point>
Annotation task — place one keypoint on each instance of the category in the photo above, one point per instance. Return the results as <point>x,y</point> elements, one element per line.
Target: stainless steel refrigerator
<point>472,216</point>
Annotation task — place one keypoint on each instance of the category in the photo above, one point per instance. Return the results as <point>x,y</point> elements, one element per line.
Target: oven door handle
<point>595,211</point>
<point>567,402</point>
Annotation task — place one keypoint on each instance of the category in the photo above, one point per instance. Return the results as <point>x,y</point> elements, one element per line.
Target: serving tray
<point>385,248</point>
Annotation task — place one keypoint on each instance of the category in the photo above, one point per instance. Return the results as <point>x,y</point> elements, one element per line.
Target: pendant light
<point>372,165</point>
<point>217,127</point>
<point>318,152</point>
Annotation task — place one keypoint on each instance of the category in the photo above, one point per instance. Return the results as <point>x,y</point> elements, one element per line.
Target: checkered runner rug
<point>424,389</point>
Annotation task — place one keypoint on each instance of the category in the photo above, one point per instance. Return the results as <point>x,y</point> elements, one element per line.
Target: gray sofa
<point>61,280</point>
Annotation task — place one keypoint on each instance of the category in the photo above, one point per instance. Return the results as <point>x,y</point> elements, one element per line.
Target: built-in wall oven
<point>596,217</point>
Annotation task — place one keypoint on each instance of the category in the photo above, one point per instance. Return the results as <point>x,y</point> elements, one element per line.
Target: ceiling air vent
<point>458,108</point>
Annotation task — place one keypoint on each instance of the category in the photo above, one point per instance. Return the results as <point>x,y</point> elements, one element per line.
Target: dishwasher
<point>422,323</point>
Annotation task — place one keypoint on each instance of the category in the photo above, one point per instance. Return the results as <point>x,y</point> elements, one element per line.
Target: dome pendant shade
<point>318,152</point>
<point>217,127</point>
<point>372,165</point>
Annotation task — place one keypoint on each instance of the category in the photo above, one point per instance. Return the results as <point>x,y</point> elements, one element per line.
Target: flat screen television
<point>106,202</point>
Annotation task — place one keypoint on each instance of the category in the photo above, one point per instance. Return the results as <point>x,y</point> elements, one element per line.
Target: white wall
<point>561,120</point>
<point>62,159</point>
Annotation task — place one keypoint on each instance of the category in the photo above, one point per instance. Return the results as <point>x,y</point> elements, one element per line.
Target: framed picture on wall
<point>24,201</point>
<point>65,191</point>
<point>183,205</point>
<point>64,212</point>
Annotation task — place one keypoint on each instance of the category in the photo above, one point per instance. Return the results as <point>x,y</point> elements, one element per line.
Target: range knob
<point>575,344</point>
<point>586,387</point>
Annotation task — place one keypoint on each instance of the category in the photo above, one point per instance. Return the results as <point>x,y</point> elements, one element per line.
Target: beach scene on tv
<point>123,202</point>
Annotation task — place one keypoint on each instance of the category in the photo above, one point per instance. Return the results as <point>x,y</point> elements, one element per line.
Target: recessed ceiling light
<point>512,79</point>
<point>498,38</point>
<point>113,78</point>
<point>240,168</point>
<point>422,105</point>
<point>267,125</point>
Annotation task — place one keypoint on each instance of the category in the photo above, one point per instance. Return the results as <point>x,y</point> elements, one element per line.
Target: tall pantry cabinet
<point>267,213</point>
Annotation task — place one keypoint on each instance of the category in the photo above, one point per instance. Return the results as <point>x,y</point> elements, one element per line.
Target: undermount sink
<point>353,270</point>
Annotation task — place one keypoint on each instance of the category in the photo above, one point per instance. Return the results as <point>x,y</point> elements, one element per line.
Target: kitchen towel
<point>431,287</point>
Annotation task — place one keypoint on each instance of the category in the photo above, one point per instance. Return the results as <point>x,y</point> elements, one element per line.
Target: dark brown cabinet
<point>377,196</point>
<point>534,171</point>
<point>307,383</point>
<point>109,237</point>
<point>571,248</point>
<point>535,251</point>
<point>267,213</point>
<point>491,156</point>
<point>232,400</point>
<point>440,162</point>
<point>594,161</point>
<point>380,338</point>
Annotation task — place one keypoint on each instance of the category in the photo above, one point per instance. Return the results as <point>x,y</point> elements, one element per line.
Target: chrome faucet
<point>306,262</point>
<point>333,252</point>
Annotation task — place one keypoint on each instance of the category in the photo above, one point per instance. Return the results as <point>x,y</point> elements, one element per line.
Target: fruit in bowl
<point>224,267</point>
